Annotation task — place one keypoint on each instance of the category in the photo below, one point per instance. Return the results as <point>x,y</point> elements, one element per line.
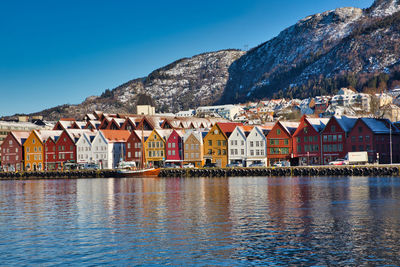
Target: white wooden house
<point>84,148</point>
<point>256,146</point>
<point>237,145</point>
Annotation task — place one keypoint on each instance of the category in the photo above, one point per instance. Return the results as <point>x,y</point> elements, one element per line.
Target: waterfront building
<point>216,143</point>
<point>256,144</point>
<point>84,147</point>
<point>379,137</point>
<point>155,148</point>
<point>12,151</point>
<point>193,148</point>
<point>334,137</point>
<point>174,148</point>
<point>307,145</point>
<point>134,146</point>
<point>279,142</point>
<point>50,154</point>
<point>34,148</point>
<point>108,147</point>
<point>237,145</point>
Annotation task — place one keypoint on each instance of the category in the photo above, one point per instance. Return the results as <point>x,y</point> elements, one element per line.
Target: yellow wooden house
<point>154,147</point>
<point>216,143</point>
<point>33,148</point>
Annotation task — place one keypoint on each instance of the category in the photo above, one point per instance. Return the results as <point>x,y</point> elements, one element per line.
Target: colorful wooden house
<point>174,148</point>
<point>379,137</point>
<point>193,148</point>
<point>134,147</point>
<point>216,143</point>
<point>108,148</point>
<point>256,145</point>
<point>84,147</point>
<point>154,148</point>
<point>307,148</point>
<point>334,138</point>
<point>279,143</point>
<point>50,154</point>
<point>13,151</point>
<point>237,145</point>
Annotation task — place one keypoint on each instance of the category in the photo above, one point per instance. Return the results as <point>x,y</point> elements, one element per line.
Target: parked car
<point>170,166</point>
<point>188,165</point>
<point>257,164</point>
<point>339,162</point>
<point>90,166</point>
<point>234,165</point>
<point>210,165</point>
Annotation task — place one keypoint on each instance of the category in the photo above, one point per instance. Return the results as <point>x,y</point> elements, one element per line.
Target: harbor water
<point>238,221</point>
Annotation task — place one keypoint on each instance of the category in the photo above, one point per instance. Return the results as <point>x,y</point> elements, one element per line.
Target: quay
<point>311,171</point>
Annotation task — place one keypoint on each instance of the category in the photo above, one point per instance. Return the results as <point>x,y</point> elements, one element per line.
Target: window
<point>353,139</point>
<point>334,138</point>
<point>173,152</point>
<point>360,138</point>
<point>186,155</point>
<point>305,129</point>
<point>210,142</point>
<point>325,148</point>
<point>223,151</point>
<point>276,142</point>
<point>315,138</point>
<point>257,143</point>
<point>186,146</point>
<point>278,131</point>
<point>242,151</point>
<point>334,148</point>
<point>286,141</point>
<point>129,154</point>
<point>251,152</point>
<point>305,139</point>
<point>271,142</point>
<point>329,138</point>
<point>232,152</point>
<point>169,152</point>
<point>367,138</point>
<point>325,138</point>
<point>251,144</point>
<point>210,152</point>
<point>129,145</point>
<point>340,138</point>
<point>299,148</point>
<point>242,143</point>
<point>368,147</point>
<point>340,147</point>
<point>361,147</point>
<point>232,143</point>
<point>298,139</point>
<point>169,145</point>
<point>219,151</point>
<point>360,129</point>
<point>333,129</point>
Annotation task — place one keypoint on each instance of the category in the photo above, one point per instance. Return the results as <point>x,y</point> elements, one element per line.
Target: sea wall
<point>370,170</point>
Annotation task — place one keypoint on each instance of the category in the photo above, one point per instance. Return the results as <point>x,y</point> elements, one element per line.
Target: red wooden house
<point>174,148</point>
<point>50,154</point>
<point>279,142</point>
<point>334,138</point>
<point>134,145</point>
<point>13,151</point>
<point>379,137</point>
<point>307,141</point>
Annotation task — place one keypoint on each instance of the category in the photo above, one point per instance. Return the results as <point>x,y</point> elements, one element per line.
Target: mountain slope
<point>317,52</point>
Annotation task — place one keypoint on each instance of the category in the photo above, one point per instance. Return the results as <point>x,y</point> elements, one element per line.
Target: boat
<point>148,172</point>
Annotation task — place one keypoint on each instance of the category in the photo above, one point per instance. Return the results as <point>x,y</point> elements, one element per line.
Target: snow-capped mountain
<point>316,56</point>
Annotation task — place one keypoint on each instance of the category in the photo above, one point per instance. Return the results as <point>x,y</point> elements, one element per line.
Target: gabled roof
<point>380,126</point>
<point>347,123</point>
<point>140,133</point>
<point>75,134</point>
<point>80,124</point>
<point>113,136</point>
<point>318,123</point>
<point>290,127</point>
<point>94,124</point>
<point>43,135</point>
<point>228,127</point>
<point>20,136</point>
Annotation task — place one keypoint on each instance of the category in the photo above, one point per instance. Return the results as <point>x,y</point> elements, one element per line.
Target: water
<point>200,221</point>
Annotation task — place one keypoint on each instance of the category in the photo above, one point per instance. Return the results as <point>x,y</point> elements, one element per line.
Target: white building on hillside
<point>225,111</point>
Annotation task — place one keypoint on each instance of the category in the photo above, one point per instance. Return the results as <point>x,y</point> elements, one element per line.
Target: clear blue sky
<point>60,52</point>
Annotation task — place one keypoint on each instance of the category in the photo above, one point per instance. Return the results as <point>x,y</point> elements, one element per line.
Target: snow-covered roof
<point>347,123</point>
<point>380,126</point>
<point>318,123</point>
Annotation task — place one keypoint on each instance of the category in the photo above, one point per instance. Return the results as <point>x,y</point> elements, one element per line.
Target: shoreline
<point>312,171</point>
